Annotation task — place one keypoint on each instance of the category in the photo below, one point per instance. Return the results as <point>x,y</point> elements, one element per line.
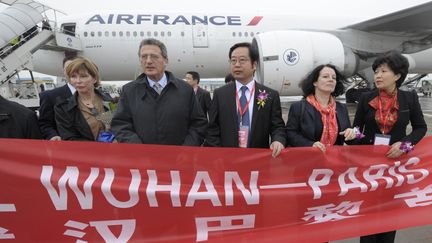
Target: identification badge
<point>381,139</point>
<point>243,135</point>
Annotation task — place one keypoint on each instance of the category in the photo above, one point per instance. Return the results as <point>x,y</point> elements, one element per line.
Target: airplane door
<point>200,35</point>
<point>68,28</point>
<point>66,38</point>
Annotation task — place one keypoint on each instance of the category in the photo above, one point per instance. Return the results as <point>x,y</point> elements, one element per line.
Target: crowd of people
<point>158,108</point>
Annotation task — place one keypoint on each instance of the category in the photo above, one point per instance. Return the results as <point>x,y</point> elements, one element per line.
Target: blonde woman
<point>77,118</point>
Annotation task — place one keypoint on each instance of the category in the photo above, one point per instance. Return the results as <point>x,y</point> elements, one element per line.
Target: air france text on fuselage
<point>164,19</point>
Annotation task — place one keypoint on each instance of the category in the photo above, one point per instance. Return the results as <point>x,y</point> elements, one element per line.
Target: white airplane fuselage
<point>195,42</point>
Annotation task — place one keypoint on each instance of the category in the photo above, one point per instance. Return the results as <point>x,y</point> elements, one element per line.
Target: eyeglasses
<point>152,57</point>
<point>241,61</point>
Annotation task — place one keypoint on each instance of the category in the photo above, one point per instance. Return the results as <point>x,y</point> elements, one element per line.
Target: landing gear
<point>426,88</point>
<point>358,86</point>
<point>353,95</point>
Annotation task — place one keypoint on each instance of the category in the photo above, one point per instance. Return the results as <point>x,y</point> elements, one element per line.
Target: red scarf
<point>387,116</point>
<point>328,117</point>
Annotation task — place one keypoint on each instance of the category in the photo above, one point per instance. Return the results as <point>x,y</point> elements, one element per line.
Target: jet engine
<point>286,57</point>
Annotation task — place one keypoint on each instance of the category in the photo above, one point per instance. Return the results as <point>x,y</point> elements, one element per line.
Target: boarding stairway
<point>24,30</point>
<point>15,59</point>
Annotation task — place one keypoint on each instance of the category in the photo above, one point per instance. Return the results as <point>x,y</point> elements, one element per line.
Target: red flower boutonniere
<point>262,99</point>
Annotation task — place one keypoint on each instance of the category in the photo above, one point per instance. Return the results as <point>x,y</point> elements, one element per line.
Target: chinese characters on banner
<point>95,192</point>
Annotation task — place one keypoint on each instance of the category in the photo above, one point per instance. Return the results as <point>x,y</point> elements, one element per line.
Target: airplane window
<point>106,33</point>
<point>169,33</point>
<point>141,33</point>
<point>148,33</point>
<point>234,34</point>
<point>246,34</point>
<point>155,34</point>
<point>113,33</point>
<point>182,33</point>
<point>121,33</point>
<point>99,33</point>
<point>92,34</point>
<point>204,34</point>
<point>162,34</point>
<point>127,33</point>
<point>135,34</point>
<point>85,33</point>
<point>240,34</point>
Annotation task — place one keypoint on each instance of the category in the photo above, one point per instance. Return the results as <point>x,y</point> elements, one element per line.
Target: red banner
<point>93,192</point>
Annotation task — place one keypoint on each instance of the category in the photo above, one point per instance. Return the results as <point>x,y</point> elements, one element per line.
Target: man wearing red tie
<point>245,113</point>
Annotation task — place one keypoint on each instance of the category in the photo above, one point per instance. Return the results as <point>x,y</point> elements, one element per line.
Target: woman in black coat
<point>384,114</point>
<point>318,120</point>
<point>81,116</point>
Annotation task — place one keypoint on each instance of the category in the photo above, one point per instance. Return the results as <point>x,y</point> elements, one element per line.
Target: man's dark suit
<point>17,121</point>
<point>304,126</point>
<point>204,99</point>
<point>48,99</point>
<point>266,121</point>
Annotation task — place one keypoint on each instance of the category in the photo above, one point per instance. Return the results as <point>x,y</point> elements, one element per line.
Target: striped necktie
<point>243,103</point>
<point>157,87</point>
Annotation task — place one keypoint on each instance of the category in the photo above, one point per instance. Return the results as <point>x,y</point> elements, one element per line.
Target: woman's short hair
<point>396,62</point>
<point>307,84</point>
<point>82,64</point>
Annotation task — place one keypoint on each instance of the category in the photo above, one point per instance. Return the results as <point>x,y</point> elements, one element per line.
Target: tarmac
<point>421,234</point>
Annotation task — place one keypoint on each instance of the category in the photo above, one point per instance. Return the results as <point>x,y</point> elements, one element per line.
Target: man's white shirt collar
<point>163,81</point>
<point>250,85</point>
<point>71,88</point>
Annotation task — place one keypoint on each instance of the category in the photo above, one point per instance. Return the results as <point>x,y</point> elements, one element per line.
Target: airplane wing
<point>408,30</point>
<point>414,21</point>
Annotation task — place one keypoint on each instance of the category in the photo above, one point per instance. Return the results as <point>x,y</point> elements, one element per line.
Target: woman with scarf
<point>318,120</point>
<point>384,114</point>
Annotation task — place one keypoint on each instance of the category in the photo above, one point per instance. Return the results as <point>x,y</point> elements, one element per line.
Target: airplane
<point>289,46</point>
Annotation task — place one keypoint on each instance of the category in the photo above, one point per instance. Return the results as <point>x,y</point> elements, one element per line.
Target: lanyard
<point>242,112</point>
<point>389,105</point>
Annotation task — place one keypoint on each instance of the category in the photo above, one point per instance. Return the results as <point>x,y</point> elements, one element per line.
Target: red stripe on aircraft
<point>255,20</point>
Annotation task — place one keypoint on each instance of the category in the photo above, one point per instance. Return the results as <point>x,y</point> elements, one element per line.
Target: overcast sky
<point>331,7</point>
<point>363,8</point>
